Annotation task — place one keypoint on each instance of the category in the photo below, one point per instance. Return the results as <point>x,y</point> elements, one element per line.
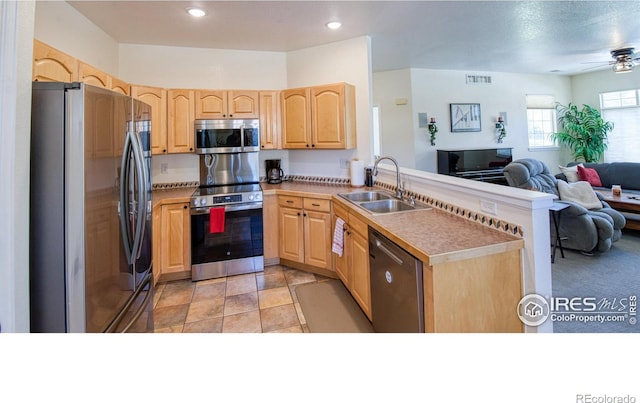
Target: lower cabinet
<point>353,266</point>
<point>172,241</point>
<point>305,231</point>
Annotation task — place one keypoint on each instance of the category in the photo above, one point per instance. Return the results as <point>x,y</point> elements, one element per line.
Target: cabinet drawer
<point>290,201</point>
<point>317,204</point>
<point>358,226</point>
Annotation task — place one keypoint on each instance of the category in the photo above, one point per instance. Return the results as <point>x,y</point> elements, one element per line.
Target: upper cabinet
<point>181,113</point>
<point>157,99</point>
<point>321,117</point>
<point>270,120</point>
<point>241,104</point>
<point>93,76</point>
<point>50,64</point>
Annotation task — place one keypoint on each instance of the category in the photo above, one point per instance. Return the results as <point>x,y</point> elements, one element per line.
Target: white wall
<point>587,87</point>
<point>16,58</point>
<point>431,92</point>
<point>59,25</point>
<point>348,61</point>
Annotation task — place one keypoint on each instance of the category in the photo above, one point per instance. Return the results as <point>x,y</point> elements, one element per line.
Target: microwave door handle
<point>124,207</point>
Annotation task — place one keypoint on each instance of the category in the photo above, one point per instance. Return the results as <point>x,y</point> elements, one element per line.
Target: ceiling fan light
<point>623,66</point>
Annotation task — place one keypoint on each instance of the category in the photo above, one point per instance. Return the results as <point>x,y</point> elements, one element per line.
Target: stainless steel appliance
<point>90,212</point>
<point>275,174</point>
<point>397,296</point>
<point>227,136</point>
<point>226,216</point>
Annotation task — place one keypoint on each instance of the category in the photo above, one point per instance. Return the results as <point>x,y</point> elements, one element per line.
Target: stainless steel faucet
<point>399,187</point>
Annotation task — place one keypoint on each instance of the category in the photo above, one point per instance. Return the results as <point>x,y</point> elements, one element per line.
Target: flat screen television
<point>451,162</point>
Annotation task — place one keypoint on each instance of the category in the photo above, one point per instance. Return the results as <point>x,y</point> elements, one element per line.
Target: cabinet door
<point>341,263</point>
<point>269,120</point>
<point>291,234</point>
<point>50,64</point>
<point>327,116</point>
<point>296,118</point>
<point>270,226</point>
<point>120,86</point>
<point>92,76</point>
<point>317,239</point>
<point>243,104</point>
<point>211,104</point>
<point>157,98</point>
<point>175,238</point>
<point>181,114</point>
<point>360,284</point>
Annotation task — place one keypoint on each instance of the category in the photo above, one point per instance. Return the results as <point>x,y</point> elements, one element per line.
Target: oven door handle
<point>228,207</point>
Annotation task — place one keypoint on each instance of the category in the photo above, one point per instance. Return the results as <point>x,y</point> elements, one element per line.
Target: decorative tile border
<point>313,179</point>
<point>174,185</point>
<point>470,215</point>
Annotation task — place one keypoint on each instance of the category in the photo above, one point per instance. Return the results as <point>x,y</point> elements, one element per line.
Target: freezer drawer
<point>397,294</point>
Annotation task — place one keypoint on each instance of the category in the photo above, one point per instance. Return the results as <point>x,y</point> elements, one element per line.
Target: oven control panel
<point>207,201</point>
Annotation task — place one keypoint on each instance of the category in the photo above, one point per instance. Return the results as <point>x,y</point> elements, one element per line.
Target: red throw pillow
<point>590,175</point>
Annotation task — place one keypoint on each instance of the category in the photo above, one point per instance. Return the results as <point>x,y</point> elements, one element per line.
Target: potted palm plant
<point>584,131</point>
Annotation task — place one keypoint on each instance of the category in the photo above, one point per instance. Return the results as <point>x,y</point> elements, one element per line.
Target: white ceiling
<point>565,37</point>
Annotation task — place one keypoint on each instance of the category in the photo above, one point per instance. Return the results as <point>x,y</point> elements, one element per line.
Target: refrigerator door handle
<point>141,210</point>
<point>123,204</point>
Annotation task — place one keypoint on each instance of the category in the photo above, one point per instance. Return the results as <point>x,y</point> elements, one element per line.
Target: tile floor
<point>250,303</point>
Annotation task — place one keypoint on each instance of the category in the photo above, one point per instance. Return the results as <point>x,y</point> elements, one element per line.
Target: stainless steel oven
<point>226,217</point>
<point>227,136</point>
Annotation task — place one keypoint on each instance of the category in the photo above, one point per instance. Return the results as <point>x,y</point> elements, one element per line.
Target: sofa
<point>625,174</point>
<point>582,229</point>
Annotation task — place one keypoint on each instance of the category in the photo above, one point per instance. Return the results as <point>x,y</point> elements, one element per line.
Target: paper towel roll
<point>357,173</point>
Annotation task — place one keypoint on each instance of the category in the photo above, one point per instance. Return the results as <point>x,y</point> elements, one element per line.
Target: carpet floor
<point>329,308</point>
<point>613,275</point>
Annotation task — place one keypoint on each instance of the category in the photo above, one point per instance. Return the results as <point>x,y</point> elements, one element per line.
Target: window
<point>622,108</point>
<point>541,121</point>
<point>376,131</point>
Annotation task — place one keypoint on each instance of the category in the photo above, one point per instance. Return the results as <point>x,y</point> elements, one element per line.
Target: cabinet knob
<point>190,149</point>
<point>298,214</point>
<point>164,150</point>
<point>313,145</point>
<point>185,207</point>
<point>307,145</point>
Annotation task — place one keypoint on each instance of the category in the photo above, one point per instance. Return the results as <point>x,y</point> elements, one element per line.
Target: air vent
<point>475,79</point>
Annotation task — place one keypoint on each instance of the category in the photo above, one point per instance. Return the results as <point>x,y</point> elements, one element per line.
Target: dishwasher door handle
<point>388,252</point>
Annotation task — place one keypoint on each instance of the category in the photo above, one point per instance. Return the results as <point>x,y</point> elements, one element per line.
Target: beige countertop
<point>432,235</point>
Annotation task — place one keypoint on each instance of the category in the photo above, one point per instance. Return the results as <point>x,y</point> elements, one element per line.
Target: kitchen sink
<point>380,202</point>
<point>388,206</point>
<point>366,196</point>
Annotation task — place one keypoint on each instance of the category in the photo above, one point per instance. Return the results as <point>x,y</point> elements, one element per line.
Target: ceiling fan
<point>623,60</point>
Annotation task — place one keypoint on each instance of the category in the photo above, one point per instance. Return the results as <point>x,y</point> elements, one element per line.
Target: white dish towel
<point>338,237</point>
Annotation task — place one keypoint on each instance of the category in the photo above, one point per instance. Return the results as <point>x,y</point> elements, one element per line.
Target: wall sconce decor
<point>501,132</point>
<point>433,129</point>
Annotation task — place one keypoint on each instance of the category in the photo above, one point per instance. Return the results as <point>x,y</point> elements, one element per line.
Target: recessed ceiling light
<point>196,12</point>
<point>334,24</point>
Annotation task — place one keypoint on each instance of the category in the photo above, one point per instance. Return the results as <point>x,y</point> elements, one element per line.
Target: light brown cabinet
<point>270,229</point>
<point>157,99</point>
<point>353,266</point>
<point>180,115</point>
<point>237,104</point>
<point>270,117</point>
<point>173,237</point>
<point>50,64</point>
<point>321,117</point>
<point>305,231</point>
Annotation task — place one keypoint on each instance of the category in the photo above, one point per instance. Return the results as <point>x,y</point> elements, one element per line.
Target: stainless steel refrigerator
<point>90,211</point>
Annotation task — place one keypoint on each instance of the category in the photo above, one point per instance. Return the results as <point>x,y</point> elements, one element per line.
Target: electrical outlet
<point>489,207</point>
<point>164,167</point>
<point>344,163</point>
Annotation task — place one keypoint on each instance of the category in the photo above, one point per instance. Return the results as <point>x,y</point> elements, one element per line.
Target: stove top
<point>207,196</point>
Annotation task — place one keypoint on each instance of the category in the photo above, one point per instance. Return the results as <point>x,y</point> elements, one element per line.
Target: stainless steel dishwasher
<point>397,294</point>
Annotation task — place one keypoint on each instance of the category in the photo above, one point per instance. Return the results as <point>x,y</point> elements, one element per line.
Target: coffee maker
<point>274,172</point>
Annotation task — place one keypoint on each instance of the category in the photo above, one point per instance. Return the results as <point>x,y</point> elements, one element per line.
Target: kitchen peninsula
<point>472,273</point>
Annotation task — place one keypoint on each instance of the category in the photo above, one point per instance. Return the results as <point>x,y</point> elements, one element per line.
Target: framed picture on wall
<point>465,117</point>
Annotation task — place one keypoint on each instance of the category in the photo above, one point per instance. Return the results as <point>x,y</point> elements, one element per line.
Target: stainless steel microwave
<point>223,136</point>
